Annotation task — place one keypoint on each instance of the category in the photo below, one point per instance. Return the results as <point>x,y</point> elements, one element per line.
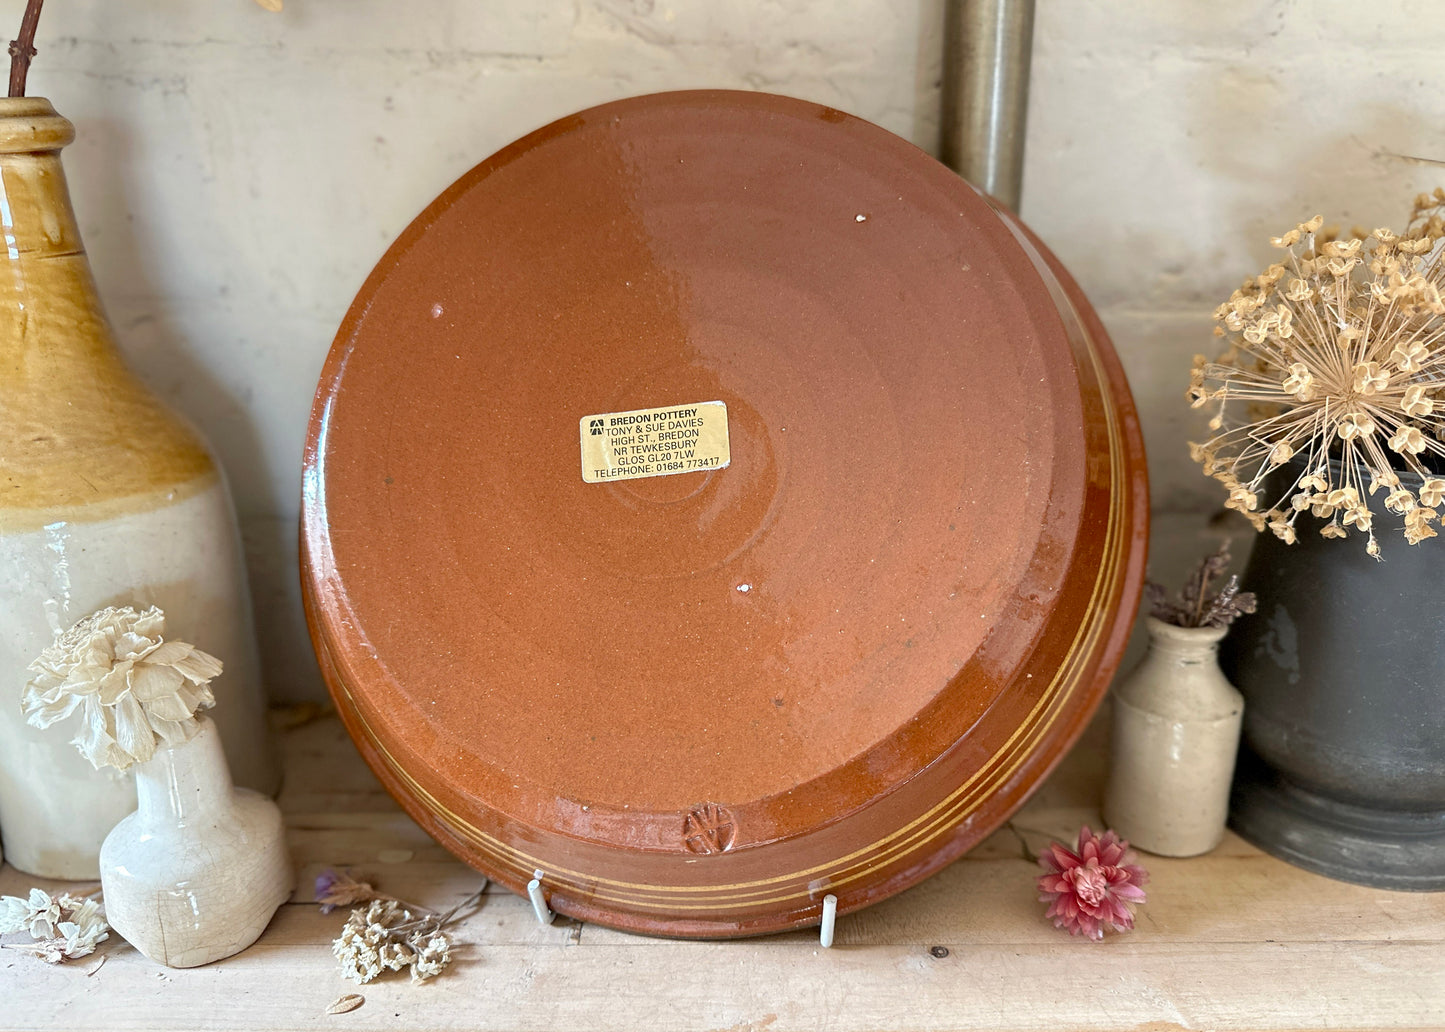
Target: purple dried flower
<point>339,889</point>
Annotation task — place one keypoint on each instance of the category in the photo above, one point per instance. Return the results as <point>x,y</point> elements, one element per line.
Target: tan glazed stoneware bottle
<point>106,498</point>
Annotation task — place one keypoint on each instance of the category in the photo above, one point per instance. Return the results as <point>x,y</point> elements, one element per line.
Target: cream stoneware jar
<point>1176,733</point>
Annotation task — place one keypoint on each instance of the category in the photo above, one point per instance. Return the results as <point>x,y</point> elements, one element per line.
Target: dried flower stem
<point>471,900</point>
<point>430,921</point>
<point>22,49</point>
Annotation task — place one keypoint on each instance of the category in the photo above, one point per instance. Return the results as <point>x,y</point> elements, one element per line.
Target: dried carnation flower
<point>1094,888</point>
<point>65,927</point>
<point>1334,365</point>
<point>130,685</point>
<point>1197,605</point>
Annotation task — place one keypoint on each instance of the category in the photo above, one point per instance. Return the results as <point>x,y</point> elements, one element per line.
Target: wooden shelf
<point>1235,939</point>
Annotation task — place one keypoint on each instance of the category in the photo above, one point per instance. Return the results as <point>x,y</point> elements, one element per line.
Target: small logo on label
<point>596,427</point>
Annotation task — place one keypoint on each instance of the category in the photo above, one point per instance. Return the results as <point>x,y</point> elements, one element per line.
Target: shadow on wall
<point>120,169</point>
<point>1355,172</point>
<point>166,358</point>
<point>928,75</point>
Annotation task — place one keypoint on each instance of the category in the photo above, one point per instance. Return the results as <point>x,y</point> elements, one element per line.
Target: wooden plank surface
<point>1231,940</point>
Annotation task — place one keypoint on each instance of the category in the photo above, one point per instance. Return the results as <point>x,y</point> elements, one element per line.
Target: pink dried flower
<point>1093,889</point>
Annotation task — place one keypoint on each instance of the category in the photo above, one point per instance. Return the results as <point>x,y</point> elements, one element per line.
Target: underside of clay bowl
<point>827,650</point>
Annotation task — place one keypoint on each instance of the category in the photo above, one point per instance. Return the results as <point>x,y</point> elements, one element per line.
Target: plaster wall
<point>238,173</point>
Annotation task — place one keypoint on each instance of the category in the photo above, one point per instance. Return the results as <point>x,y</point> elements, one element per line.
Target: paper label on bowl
<point>654,442</point>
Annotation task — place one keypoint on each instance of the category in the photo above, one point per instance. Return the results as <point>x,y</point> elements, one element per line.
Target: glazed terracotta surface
<point>700,702</point>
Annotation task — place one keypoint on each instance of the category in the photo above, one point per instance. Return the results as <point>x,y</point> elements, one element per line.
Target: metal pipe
<point>987,47</point>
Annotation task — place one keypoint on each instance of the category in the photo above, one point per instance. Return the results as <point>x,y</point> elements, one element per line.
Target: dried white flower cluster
<point>388,937</point>
<point>130,684</point>
<point>1335,363</point>
<point>65,927</point>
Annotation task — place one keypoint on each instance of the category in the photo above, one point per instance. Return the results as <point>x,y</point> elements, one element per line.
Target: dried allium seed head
<point>1334,361</point>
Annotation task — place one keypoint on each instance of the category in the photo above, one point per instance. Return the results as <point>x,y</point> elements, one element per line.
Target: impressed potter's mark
<point>655,442</point>
<point>708,828</point>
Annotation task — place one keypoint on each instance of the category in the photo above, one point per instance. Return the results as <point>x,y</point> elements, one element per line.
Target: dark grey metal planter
<point>1342,767</point>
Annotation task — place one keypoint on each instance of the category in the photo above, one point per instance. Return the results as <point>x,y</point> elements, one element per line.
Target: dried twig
<point>1409,159</point>
<point>23,48</point>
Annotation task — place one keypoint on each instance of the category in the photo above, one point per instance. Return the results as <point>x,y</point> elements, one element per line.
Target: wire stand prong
<point>539,900</point>
<point>830,918</point>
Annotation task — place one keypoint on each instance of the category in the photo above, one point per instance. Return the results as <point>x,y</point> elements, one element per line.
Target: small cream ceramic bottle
<point>1176,733</point>
<point>194,874</point>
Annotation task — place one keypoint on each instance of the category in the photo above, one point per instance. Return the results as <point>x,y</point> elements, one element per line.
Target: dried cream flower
<point>1300,382</point>
<point>1334,374</point>
<point>37,914</point>
<point>1417,525</point>
<point>359,950</point>
<point>130,684</point>
<point>387,936</point>
<point>1355,424</point>
<point>1369,378</point>
<point>1408,440</point>
<point>433,954</point>
<point>1410,356</point>
<point>1400,500</point>
<point>1414,403</point>
<point>64,928</point>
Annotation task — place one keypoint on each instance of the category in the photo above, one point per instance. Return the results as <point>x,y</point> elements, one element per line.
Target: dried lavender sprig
<point>1195,605</point>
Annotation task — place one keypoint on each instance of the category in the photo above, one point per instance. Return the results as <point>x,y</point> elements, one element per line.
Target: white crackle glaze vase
<point>1176,734</point>
<point>106,498</point>
<point>194,874</point>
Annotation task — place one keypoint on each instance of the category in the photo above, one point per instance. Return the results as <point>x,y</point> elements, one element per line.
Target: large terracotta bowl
<point>700,702</point>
